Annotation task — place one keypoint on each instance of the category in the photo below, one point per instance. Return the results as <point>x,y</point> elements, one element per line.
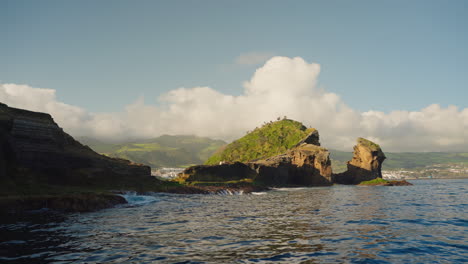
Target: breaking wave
<point>136,199</point>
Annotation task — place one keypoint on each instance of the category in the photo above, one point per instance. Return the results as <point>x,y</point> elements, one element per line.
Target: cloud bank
<point>282,87</point>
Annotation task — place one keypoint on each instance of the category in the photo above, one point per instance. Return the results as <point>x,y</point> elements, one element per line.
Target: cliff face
<point>365,165</point>
<point>34,147</point>
<point>306,164</point>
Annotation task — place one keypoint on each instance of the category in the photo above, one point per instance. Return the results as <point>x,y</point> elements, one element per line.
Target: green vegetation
<point>183,151</point>
<point>271,139</point>
<point>377,181</point>
<point>368,143</point>
<point>164,151</point>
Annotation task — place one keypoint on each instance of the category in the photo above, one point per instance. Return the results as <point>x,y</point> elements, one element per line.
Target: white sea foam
<point>229,192</point>
<point>258,193</point>
<point>289,189</point>
<point>135,199</point>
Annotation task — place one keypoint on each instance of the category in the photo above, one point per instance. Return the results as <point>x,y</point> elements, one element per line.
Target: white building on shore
<point>167,173</point>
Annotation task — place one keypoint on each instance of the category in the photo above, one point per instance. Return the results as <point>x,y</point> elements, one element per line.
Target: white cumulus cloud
<point>281,87</point>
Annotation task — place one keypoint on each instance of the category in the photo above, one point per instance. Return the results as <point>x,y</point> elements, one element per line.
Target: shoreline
<point>93,201</point>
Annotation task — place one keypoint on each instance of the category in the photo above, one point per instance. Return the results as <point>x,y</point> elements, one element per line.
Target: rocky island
<point>286,153</point>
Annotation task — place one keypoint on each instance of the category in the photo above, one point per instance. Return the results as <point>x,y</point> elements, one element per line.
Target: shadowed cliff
<point>35,151</point>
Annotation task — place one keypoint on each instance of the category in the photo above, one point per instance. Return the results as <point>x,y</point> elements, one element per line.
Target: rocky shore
<point>382,182</point>
<point>41,166</point>
<point>85,202</point>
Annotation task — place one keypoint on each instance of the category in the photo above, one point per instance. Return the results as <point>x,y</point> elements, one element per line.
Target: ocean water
<point>424,223</point>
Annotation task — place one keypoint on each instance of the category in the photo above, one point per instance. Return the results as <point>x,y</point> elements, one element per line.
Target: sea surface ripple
<point>424,223</point>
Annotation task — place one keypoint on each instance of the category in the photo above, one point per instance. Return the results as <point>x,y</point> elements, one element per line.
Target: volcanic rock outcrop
<point>306,164</point>
<point>365,165</point>
<point>34,148</point>
<point>303,164</point>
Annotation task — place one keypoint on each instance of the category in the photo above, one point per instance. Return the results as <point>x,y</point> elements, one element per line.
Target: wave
<point>290,189</point>
<point>135,199</point>
<point>229,192</point>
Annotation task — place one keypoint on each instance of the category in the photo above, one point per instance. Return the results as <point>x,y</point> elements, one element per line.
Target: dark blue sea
<point>424,223</point>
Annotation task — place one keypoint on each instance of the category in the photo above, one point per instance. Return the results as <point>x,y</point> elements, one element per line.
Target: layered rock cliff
<point>34,149</point>
<point>365,165</point>
<point>305,165</point>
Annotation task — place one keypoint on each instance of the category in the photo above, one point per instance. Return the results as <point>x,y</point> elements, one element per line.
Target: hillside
<point>271,139</point>
<point>181,151</point>
<point>164,151</point>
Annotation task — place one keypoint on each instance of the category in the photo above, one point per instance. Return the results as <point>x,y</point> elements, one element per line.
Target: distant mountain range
<point>183,151</point>
<point>163,151</point>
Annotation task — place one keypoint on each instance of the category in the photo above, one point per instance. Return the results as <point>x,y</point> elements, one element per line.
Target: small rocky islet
<point>42,166</point>
<point>306,163</point>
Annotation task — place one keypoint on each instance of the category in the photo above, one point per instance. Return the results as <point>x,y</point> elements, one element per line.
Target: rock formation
<point>218,173</point>
<point>34,148</point>
<point>365,165</point>
<point>306,164</point>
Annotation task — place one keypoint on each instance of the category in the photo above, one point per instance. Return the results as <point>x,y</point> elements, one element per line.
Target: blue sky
<point>103,55</point>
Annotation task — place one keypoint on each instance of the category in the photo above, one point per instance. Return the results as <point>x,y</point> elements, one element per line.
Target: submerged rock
<point>365,165</point>
<point>383,182</point>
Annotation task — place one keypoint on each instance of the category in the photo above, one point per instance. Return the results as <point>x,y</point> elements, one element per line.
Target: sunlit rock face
<point>365,165</point>
<point>305,165</point>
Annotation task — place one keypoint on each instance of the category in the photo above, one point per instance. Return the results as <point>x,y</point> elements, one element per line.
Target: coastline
<point>89,201</point>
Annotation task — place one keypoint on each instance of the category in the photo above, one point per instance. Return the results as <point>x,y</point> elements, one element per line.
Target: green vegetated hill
<point>164,151</point>
<point>271,139</point>
<point>403,160</point>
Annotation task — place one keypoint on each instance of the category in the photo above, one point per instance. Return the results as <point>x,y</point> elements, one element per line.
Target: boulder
<point>365,165</point>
